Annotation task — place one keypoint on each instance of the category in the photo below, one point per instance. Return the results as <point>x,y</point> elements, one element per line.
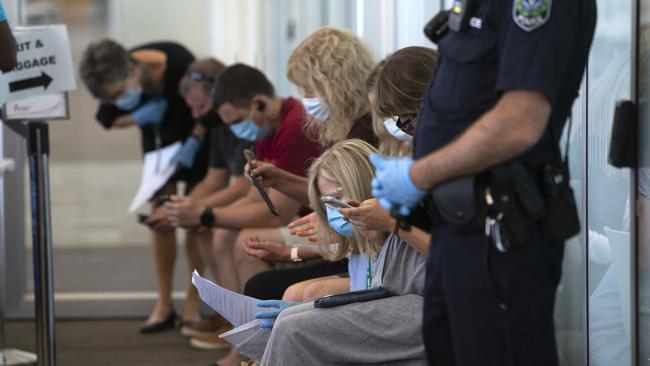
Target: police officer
<point>507,77</point>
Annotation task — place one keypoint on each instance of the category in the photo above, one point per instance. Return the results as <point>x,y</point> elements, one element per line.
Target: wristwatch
<point>207,218</point>
<point>295,258</point>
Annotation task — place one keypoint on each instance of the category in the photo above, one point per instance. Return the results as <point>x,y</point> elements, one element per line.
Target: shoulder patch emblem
<point>531,14</point>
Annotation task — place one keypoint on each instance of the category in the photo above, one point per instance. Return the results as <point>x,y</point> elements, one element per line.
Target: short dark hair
<point>238,84</point>
<point>104,62</point>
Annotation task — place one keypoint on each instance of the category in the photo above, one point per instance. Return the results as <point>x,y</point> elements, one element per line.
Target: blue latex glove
<point>151,112</point>
<point>3,16</point>
<point>270,316</point>
<point>393,185</point>
<point>185,155</point>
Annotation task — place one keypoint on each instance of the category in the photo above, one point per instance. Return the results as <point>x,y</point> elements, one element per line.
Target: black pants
<point>483,307</point>
<point>271,284</point>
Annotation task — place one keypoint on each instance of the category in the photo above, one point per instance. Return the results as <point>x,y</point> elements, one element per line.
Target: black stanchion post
<point>38,150</point>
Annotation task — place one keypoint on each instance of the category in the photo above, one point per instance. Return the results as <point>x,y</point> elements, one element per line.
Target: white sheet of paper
<point>236,308</point>
<point>249,339</point>
<point>156,171</point>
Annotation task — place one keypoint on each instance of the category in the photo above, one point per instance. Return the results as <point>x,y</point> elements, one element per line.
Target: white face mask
<point>393,130</point>
<point>316,109</point>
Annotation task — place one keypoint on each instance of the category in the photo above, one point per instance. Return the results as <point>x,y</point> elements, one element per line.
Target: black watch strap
<point>207,217</point>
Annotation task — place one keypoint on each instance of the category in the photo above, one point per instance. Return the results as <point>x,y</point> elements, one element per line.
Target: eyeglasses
<point>406,124</point>
<point>199,76</point>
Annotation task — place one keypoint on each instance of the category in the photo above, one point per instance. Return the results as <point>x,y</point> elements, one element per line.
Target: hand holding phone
<point>250,158</point>
<point>334,202</point>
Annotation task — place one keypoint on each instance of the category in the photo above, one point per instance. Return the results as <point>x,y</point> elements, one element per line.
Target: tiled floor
<point>112,343</point>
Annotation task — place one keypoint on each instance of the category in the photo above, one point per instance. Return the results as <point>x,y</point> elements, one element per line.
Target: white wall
<point>186,22</point>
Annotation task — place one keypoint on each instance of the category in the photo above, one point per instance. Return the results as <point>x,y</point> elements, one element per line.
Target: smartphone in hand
<point>335,202</point>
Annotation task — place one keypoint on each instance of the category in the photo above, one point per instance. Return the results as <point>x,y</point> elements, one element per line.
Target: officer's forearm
<point>513,126</point>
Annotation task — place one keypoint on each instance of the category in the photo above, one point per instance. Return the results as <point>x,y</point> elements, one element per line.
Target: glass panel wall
<point>608,214</point>
<point>643,184</point>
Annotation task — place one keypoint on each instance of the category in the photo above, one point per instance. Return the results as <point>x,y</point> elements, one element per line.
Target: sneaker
<point>205,327</point>
<point>210,342</point>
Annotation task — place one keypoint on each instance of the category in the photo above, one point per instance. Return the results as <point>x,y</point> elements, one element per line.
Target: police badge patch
<point>531,14</point>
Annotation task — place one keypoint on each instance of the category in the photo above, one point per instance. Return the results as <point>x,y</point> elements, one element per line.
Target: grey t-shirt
<point>227,151</point>
<point>399,268</point>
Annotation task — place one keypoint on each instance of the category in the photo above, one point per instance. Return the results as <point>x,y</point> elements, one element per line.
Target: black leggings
<point>271,284</point>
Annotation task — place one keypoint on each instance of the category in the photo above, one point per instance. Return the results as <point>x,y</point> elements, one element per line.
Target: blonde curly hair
<point>333,64</point>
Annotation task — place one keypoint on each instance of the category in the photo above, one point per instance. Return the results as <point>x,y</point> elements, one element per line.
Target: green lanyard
<point>369,274</point>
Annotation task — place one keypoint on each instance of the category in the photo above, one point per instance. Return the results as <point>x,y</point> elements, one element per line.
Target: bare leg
<point>328,286</point>
<point>164,247</point>
<point>296,292</point>
<point>223,241</point>
<point>204,239</point>
<point>195,262</point>
<point>233,358</point>
<point>248,266</point>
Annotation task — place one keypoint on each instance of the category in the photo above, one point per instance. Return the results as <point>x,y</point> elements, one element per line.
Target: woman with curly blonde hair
<point>330,67</point>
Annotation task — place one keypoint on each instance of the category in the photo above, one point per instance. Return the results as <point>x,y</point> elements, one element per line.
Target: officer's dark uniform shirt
<point>499,52</point>
<point>177,123</point>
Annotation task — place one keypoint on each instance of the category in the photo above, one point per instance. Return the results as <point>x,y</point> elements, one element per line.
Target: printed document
<point>156,171</point>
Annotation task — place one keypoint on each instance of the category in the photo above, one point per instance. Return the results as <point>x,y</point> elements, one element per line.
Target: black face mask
<point>210,120</point>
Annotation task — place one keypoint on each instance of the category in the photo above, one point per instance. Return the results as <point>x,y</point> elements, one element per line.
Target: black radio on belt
<point>460,14</point>
<point>437,26</point>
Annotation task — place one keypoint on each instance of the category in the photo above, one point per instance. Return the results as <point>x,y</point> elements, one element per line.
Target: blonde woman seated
<point>395,88</point>
<point>373,332</point>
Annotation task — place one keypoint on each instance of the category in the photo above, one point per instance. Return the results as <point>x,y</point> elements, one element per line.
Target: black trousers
<point>483,307</point>
<point>271,284</point>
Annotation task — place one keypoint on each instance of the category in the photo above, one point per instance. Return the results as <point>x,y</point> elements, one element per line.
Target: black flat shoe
<point>161,326</point>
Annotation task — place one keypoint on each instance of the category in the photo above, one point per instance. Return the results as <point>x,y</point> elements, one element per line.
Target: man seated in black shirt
<point>139,87</point>
<point>226,160</point>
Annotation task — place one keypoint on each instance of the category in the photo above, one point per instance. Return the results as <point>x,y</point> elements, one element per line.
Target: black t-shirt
<point>226,150</point>
<point>509,45</point>
<point>177,122</point>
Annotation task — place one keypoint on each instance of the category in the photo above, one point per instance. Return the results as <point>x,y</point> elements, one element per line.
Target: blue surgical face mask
<point>249,131</point>
<point>316,109</point>
<point>338,223</point>
<point>396,132</point>
<point>129,100</point>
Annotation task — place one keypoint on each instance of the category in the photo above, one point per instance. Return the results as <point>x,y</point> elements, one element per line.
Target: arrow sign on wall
<point>44,80</point>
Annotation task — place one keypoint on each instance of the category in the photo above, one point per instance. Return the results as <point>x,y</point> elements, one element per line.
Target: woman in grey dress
<point>384,331</point>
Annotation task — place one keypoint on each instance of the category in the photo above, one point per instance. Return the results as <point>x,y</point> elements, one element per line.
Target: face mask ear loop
<point>145,77</point>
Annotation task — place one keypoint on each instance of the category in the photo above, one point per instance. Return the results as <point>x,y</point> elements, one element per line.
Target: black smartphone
<point>163,198</point>
<point>329,200</point>
<point>250,157</point>
<point>350,297</point>
<point>142,218</point>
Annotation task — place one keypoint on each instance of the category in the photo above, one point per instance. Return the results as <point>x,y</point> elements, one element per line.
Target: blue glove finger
<point>386,204</point>
<point>269,303</point>
<point>267,324</point>
<point>185,156</point>
<point>377,193</point>
<point>268,314</point>
<point>404,211</point>
<point>378,161</point>
<point>3,17</point>
<point>375,183</point>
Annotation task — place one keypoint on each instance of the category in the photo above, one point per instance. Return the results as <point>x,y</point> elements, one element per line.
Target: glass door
<point>642,205</point>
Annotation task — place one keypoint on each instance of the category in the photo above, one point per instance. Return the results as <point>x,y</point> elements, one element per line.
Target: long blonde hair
<point>333,64</point>
<point>346,163</point>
